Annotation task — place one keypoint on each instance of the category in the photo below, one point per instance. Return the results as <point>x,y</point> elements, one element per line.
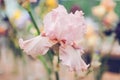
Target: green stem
<point>42,59</point>
<point>57,69</point>
<point>102,69</point>
<point>33,20</point>
<point>57,75</point>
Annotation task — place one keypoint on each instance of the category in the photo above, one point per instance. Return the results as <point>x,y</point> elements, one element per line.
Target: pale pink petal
<point>71,57</point>
<point>35,46</point>
<point>52,25</point>
<point>60,25</point>
<point>75,28</point>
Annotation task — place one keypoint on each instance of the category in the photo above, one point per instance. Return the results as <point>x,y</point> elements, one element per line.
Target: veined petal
<point>71,57</point>
<point>35,46</point>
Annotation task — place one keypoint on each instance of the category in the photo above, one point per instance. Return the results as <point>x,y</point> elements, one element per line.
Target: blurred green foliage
<point>86,5</point>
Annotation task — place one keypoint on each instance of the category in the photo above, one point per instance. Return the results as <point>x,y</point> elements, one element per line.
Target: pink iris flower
<point>65,29</point>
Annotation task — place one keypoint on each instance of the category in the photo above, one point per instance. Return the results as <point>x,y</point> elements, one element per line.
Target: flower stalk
<point>27,6</point>
<point>102,68</point>
<point>56,66</point>
<point>34,22</point>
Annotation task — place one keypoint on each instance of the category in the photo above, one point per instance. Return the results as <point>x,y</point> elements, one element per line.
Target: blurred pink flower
<point>65,29</point>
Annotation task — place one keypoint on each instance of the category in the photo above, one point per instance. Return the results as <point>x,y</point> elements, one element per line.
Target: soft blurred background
<point>101,42</point>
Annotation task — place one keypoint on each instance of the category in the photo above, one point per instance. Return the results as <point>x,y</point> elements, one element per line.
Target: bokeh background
<point>101,42</point>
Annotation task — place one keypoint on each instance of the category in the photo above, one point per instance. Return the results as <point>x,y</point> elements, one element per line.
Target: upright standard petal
<point>52,25</point>
<point>75,27</point>
<point>60,25</point>
<point>71,57</point>
<point>35,46</point>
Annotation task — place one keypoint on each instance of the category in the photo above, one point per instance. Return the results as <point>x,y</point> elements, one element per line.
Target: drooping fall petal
<point>71,57</point>
<point>35,46</point>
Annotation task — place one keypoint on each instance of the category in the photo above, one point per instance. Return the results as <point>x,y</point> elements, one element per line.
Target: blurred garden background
<point>24,19</point>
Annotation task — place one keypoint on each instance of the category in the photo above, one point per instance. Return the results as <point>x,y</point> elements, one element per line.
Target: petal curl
<point>35,46</point>
<point>71,57</point>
